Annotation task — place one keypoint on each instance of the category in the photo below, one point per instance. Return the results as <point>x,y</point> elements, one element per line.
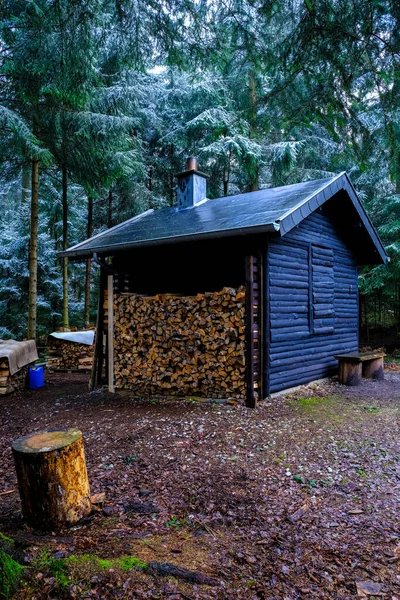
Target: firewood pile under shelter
<point>15,360</point>
<point>70,350</point>
<point>181,345</point>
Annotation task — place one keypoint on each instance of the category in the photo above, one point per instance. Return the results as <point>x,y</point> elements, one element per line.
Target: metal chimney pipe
<point>191,164</point>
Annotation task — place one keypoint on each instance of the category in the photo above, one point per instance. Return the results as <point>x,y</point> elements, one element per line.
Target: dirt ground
<point>298,498</point>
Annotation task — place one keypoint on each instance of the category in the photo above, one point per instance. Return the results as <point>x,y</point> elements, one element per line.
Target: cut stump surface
<point>52,478</point>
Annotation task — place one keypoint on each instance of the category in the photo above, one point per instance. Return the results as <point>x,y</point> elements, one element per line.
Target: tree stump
<point>52,478</point>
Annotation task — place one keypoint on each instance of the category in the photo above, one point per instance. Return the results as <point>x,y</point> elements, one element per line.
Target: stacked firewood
<point>11,383</point>
<point>181,345</point>
<point>67,356</point>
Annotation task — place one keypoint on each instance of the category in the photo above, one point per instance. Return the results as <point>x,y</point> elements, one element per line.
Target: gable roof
<point>273,210</point>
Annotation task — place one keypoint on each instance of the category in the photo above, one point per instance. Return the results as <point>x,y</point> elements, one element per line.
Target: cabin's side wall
<point>312,303</point>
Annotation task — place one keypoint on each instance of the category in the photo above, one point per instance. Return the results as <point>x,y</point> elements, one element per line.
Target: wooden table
<point>354,366</point>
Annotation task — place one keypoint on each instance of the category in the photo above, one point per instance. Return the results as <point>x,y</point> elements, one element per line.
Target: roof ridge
<point>328,181</point>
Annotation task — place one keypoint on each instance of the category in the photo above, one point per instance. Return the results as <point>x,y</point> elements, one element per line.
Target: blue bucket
<point>36,377</point>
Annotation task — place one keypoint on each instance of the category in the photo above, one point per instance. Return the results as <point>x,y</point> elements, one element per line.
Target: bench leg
<point>373,369</point>
<point>350,373</point>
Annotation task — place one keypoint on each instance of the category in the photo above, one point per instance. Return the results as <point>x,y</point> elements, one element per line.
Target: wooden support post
<point>98,358</point>
<point>266,336</point>
<point>373,369</point>
<point>110,333</point>
<point>251,400</point>
<point>261,325</point>
<point>52,478</point>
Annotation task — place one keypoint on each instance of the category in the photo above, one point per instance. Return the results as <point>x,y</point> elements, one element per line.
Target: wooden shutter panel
<point>322,290</point>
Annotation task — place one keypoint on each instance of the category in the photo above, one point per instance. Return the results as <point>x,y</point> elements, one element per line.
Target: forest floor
<point>298,498</point>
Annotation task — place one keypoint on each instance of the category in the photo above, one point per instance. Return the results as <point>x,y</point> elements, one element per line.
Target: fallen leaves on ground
<point>295,499</point>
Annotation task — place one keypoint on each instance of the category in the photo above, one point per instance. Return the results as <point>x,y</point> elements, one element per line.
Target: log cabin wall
<point>313,302</point>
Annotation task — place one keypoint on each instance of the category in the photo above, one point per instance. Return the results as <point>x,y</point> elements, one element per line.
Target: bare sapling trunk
<point>110,209</point>
<point>65,315</point>
<point>33,252</point>
<point>253,113</point>
<point>88,263</point>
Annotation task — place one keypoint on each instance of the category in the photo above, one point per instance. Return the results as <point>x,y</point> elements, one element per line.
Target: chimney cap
<point>191,167</point>
<point>191,164</point>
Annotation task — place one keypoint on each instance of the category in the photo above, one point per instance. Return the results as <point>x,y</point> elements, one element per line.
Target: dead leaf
<point>368,588</point>
<point>98,498</point>
<point>298,514</point>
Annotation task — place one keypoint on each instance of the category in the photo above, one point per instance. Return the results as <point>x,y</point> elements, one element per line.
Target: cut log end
<point>46,441</point>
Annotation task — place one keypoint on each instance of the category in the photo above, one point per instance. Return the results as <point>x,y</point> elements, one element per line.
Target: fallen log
<point>169,570</point>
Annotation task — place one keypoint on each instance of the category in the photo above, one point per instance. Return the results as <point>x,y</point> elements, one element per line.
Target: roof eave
<point>76,253</point>
<point>366,220</point>
<point>341,182</point>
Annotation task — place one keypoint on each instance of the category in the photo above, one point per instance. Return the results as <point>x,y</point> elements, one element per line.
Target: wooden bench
<point>355,365</point>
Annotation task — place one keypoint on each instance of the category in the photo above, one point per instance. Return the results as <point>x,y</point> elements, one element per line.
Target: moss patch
<point>326,408</point>
<point>5,541</point>
<point>313,403</point>
<point>80,568</point>
<point>125,563</point>
<point>77,569</point>
<point>10,574</point>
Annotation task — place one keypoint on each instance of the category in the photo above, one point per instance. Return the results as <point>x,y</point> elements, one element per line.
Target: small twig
<point>311,576</point>
<point>207,528</point>
<point>152,548</point>
<point>7,492</point>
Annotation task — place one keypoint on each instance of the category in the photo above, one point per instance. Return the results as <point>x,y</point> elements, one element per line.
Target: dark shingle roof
<point>269,210</point>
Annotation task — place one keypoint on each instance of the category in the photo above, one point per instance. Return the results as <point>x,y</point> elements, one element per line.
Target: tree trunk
<point>364,327</point>
<point>253,113</point>
<point>98,357</point>
<point>52,478</point>
<point>110,209</point>
<point>88,263</point>
<point>380,308</point>
<point>398,309</point>
<point>225,181</point>
<point>65,319</point>
<point>33,252</point>
<point>171,180</point>
<point>25,182</point>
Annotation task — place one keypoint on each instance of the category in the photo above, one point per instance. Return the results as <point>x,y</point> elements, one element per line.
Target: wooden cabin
<point>243,295</point>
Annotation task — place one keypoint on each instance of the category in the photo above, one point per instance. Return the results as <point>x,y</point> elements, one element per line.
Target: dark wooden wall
<point>312,298</point>
<point>186,268</point>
